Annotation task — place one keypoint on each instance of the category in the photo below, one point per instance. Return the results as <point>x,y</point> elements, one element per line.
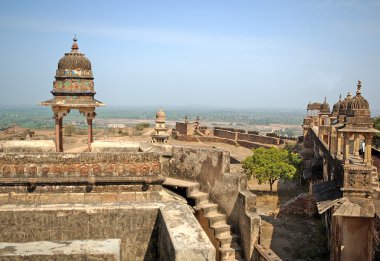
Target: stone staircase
<point>227,244</point>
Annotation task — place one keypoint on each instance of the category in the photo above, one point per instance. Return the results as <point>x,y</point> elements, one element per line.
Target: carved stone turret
<point>73,88</point>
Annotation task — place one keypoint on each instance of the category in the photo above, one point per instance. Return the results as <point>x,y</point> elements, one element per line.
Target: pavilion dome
<point>325,107</point>
<point>358,102</point>
<point>336,107</point>
<point>160,115</point>
<point>344,103</point>
<point>74,64</point>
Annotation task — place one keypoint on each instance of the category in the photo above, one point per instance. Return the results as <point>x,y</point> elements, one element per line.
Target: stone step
<point>199,197</point>
<point>179,183</point>
<point>229,248</point>
<point>221,228</point>
<point>192,188</point>
<point>230,253</point>
<point>235,240</point>
<point>207,208</point>
<point>225,240</point>
<point>215,218</point>
<point>228,240</point>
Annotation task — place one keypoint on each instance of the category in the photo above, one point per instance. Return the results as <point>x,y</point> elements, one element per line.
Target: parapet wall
<point>189,163</point>
<point>76,250</point>
<point>210,168</point>
<point>258,138</point>
<point>246,137</point>
<point>225,134</point>
<point>79,165</point>
<point>27,146</point>
<point>56,172</point>
<point>141,228</point>
<point>136,229</point>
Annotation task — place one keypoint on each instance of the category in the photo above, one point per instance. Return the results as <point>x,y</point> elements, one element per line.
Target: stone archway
<point>60,112</point>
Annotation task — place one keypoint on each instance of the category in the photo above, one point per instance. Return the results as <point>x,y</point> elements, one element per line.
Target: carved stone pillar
<point>368,151</point>
<point>58,135</point>
<point>339,144</point>
<point>90,114</point>
<point>346,153</point>
<point>89,135</point>
<point>59,113</point>
<point>356,144</point>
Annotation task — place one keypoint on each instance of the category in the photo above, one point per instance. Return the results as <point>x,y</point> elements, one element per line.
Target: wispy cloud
<point>141,34</point>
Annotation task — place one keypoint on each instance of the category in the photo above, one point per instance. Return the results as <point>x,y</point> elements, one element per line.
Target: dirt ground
<point>291,238</point>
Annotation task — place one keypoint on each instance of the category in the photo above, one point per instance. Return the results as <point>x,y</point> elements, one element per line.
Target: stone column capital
<point>60,112</point>
<point>89,113</point>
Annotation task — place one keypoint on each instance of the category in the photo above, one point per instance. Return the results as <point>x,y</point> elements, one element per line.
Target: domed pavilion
<point>160,135</point>
<point>73,88</point>
<point>358,123</point>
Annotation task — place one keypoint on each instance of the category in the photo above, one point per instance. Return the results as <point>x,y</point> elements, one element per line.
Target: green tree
<point>70,130</point>
<point>269,165</point>
<point>376,138</point>
<point>141,126</point>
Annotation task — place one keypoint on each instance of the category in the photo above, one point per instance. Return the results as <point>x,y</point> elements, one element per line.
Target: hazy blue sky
<point>180,53</point>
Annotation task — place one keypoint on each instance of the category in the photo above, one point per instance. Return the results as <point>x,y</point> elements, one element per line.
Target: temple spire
<point>75,47</point>
<point>358,91</point>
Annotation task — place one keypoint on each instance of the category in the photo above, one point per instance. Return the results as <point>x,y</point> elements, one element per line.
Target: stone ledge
<point>108,250</point>
<point>27,146</point>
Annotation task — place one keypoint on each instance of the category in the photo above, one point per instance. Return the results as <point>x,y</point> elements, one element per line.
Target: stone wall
<point>203,165</point>
<point>302,205</point>
<point>181,237</point>
<point>210,168</point>
<point>181,128</point>
<point>77,250</point>
<point>187,138</point>
<point>356,235</point>
<point>133,224</point>
<point>249,222</point>
<point>111,146</point>
<point>258,138</point>
<point>216,139</point>
<point>185,128</point>
<point>252,145</point>
<point>225,134</point>
<point>51,169</point>
<point>247,140</point>
<point>150,231</point>
<point>27,146</point>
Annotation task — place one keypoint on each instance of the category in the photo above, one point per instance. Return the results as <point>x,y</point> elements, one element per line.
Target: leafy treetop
<point>269,165</point>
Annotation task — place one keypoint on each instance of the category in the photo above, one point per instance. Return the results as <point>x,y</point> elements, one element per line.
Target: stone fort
<point>152,201</point>
<point>155,201</point>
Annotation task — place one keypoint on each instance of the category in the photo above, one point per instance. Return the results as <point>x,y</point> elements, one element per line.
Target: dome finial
<point>340,97</point>
<point>75,47</point>
<point>358,91</point>
<point>325,99</point>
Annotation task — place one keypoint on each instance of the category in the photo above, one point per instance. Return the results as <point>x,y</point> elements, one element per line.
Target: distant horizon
<point>374,112</point>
